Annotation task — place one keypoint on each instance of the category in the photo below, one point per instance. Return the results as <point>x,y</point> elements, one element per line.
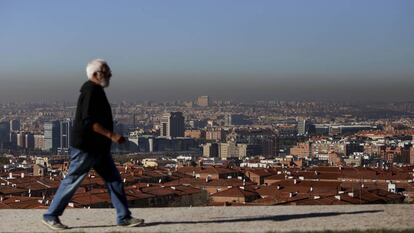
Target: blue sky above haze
<point>243,50</point>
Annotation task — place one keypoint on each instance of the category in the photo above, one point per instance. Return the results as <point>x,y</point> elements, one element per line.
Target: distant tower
<point>29,141</point>
<point>39,141</point>
<point>303,126</point>
<point>151,144</point>
<point>52,138</point>
<point>64,136</point>
<point>203,101</point>
<point>21,139</point>
<point>172,124</point>
<point>14,125</point>
<point>13,139</point>
<point>4,134</point>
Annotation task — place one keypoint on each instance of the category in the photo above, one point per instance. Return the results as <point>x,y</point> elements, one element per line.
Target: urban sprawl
<point>203,152</point>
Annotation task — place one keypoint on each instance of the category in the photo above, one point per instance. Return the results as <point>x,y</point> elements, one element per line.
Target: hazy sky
<point>247,50</point>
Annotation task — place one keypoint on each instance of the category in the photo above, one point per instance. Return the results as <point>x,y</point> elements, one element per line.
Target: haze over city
<point>241,50</point>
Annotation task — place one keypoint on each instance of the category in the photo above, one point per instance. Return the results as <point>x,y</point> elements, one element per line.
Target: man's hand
<point>117,138</point>
<point>96,127</point>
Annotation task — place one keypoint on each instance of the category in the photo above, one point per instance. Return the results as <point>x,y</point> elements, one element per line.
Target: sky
<point>238,50</point>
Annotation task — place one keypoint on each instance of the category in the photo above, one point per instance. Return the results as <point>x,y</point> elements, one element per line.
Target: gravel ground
<point>223,219</point>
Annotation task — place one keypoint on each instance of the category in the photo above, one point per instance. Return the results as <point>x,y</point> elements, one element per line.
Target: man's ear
<point>97,76</point>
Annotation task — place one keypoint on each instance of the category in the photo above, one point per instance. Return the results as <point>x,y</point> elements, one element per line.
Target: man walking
<point>92,136</point>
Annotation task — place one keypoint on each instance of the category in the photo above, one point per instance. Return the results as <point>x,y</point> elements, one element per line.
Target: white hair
<point>94,66</point>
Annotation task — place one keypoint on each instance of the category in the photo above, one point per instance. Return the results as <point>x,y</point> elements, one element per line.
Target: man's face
<point>104,76</point>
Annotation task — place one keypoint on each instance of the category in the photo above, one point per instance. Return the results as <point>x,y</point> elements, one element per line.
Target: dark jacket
<point>92,107</point>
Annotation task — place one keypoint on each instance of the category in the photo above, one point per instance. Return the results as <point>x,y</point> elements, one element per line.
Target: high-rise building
<point>13,140</point>
<point>52,136</point>
<point>172,124</point>
<point>21,141</point>
<point>64,136</point>
<point>210,150</point>
<point>14,125</point>
<point>203,101</point>
<point>29,141</point>
<point>4,134</point>
<point>215,134</point>
<point>39,141</point>
<point>228,150</point>
<point>303,126</point>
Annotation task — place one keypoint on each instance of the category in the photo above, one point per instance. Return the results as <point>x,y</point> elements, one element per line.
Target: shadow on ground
<point>249,219</point>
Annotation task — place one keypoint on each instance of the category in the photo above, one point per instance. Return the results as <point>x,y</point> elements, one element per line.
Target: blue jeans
<point>80,164</point>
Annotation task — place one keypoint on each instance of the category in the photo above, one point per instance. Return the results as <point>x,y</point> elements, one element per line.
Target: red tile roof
<point>236,192</point>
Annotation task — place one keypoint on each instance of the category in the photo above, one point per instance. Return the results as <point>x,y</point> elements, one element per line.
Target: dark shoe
<point>55,224</point>
<point>132,222</point>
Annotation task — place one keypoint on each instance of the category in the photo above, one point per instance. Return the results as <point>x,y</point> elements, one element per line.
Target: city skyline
<point>319,50</point>
<point>208,153</point>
